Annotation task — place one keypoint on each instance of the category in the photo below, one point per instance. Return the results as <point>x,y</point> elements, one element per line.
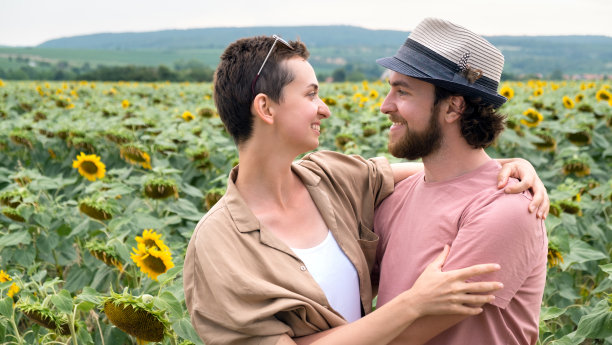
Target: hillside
<point>332,47</point>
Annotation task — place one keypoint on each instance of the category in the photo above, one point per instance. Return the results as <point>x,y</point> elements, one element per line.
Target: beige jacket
<point>245,286</point>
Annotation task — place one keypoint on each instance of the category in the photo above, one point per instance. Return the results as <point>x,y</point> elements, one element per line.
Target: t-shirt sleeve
<point>220,300</point>
<point>355,173</point>
<point>502,232</point>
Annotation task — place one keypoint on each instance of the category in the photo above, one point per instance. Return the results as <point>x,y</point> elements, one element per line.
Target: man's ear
<point>456,107</point>
<point>261,108</point>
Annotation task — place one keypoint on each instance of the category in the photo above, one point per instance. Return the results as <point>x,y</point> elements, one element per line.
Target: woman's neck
<point>265,178</point>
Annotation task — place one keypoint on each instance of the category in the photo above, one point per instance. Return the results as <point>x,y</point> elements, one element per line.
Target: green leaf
<point>608,269</point>
<point>185,330</point>
<point>6,307</point>
<point>166,301</point>
<point>64,230</point>
<point>15,238</point>
<point>169,275</point>
<point>548,313</point>
<point>63,301</point>
<point>597,324</point>
<point>83,335</point>
<point>581,252</point>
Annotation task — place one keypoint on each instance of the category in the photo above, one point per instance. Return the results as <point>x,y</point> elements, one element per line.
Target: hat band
<point>436,66</point>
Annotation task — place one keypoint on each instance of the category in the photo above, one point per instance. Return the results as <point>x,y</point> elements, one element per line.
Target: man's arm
<point>493,231</point>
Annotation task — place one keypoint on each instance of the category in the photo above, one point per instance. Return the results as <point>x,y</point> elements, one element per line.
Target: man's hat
<point>451,57</point>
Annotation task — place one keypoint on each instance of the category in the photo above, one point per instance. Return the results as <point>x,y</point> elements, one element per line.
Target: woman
<point>285,256</point>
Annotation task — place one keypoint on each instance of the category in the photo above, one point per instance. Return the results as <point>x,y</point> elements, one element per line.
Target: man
<point>442,103</point>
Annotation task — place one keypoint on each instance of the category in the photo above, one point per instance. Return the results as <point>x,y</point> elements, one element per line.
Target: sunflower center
<point>150,243</point>
<point>154,264</point>
<point>89,167</point>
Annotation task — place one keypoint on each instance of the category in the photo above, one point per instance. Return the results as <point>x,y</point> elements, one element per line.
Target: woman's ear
<point>456,107</point>
<point>261,108</point>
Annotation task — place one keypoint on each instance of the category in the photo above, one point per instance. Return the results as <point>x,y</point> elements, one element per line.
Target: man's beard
<point>415,145</point>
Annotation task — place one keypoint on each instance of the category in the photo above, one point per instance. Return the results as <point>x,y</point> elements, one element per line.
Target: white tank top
<point>336,275</point>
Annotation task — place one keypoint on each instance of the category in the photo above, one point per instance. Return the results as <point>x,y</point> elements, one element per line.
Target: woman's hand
<point>523,170</point>
<point>436,292</point>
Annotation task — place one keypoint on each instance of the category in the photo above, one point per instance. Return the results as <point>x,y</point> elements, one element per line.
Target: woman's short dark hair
<point>480,123</point>
<point>235,73</point>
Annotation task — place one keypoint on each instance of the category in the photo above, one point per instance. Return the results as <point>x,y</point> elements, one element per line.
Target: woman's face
<point>299,112</point>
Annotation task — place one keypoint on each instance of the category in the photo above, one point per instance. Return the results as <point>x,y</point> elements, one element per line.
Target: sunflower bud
<point>96,209</point>
<point>44,317</point>
<point>160,188</point>
<point>104,253</point>
<point>581,138</point>
<point>135,317</point>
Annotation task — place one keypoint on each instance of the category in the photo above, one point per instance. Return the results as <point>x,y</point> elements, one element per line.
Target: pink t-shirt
<point>483,225</point>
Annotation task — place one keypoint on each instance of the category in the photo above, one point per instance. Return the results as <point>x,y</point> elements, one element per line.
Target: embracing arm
<point>511,167</point>
<point>435,292</point>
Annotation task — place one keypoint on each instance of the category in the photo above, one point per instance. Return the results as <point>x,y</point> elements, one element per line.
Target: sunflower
<point>547,143</point>
<point>44,317</point>
<point>567,102</point>
<point>136,316</point>
<point>12,198</point>
<point>13,289</point>
<point>212,197</point>
<point>152,239</point>
<point>329,101</point>
<point>579,97</point>
<point>151,260</point>
<point>160,188</point>
<point>125,103</point>
<point>576,167</point>
<point>342,140</point>
<point>134,155</point>
<point>538,92</point>
<point>13,213</point>
<point>581,138</point>
<point>554,255</point>
<point>570,207</point>
<point>97,209</point>
<point>373,94</point>
<point>533,118</point>
<point>206,112</point>
<point>507,92</point>
<point>187,116</point>
<point>104,253</point>
<point>603,95</point>
<point>89,166</point>
<point>369,131</point>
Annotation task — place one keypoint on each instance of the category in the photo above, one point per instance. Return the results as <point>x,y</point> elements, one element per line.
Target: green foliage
<point>66,263</point>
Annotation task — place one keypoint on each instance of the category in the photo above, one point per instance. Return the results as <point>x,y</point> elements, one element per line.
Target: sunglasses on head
<point>276,39</point>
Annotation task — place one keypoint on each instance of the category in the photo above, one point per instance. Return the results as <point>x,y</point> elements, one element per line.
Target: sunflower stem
<point>17,335</point>
<point>71,319</point>
<point>58,268</point>
<point>95,316</point>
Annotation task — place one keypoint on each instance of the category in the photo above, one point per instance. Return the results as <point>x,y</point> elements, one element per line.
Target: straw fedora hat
<point>451,57</point>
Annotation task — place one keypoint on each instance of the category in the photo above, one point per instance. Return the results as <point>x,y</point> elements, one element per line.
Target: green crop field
<point>102,184</point>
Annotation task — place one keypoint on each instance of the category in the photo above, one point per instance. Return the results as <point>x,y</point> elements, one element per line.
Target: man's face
<point>416,130</point>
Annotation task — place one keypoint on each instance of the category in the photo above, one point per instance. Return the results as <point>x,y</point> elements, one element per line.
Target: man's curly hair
<point>480,123</point>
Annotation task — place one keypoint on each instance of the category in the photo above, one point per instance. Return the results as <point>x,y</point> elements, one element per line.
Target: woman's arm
<point>511,167</point>
<point>523,170</point>
<point>434,293</point>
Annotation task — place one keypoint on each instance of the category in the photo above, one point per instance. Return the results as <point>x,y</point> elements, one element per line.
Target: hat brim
<point>457,84</point>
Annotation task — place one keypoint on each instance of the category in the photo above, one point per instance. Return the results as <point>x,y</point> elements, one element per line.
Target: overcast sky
<point>31,22</point>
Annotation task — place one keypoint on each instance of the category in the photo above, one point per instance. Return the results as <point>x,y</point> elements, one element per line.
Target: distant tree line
<point>193,71</point>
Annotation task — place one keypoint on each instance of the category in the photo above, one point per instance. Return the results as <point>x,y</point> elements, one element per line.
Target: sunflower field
<point>102,184</point>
